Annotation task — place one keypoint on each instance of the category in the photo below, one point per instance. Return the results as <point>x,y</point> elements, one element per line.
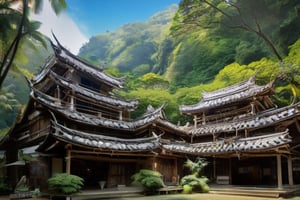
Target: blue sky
<point>85,18</point>
<point>99,16</point>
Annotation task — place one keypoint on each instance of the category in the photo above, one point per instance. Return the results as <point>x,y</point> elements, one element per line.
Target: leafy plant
<point>149,179</point>
<point>195,182</point>
<point>22,188</point>
<point>5,188</point>
<point>63,183</point>
<point>36,193</point>
<point>187,189</point>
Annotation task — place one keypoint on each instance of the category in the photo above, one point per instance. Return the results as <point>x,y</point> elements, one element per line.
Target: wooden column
<point>203,118</point>
<point>290,170</point>
<point>72,103</point>
<point>68,161</point>
<point>279,172</point>
<point>121,115</point>
<point>252,108</point>
<point>57,95</point>
<point>230,171</point>
<point>214,169</point>
<point>175,172</point>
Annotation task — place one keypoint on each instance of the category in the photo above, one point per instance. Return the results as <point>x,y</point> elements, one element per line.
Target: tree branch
<point>11,53</point>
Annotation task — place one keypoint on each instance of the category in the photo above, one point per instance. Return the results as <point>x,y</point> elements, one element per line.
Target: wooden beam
<point>107,159</point>
<point>114,153</point>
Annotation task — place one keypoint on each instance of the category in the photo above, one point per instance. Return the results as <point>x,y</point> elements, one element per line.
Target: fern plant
<point>66,184</point>
<point>149,179</point>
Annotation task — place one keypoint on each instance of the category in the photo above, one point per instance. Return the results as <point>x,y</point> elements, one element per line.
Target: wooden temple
<point>247,138</point>
<point>74,122</point>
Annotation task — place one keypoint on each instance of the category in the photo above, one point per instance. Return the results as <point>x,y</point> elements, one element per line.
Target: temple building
<point>75,122</point>
<point>247,138</point>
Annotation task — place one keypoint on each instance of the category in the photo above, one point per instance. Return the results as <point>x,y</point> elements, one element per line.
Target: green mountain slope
<point>197,54</point>
<point>133,47</point>
<point>171,65</point>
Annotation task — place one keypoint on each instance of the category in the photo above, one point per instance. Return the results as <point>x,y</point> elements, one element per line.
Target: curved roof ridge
<point>244,85</point>
<point>80,64</point>
<point>260,120</point>
<point>246,90</point>
<point>92,94</point>
<point>58,126</point>
<point>239,145</point>
<point>50,102</point>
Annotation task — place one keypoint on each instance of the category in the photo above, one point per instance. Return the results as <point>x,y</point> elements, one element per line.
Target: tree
<point>16,26</point>
<point>260,17</point>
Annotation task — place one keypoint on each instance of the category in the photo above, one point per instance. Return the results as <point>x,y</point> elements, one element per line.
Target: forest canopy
<point>200,45</point>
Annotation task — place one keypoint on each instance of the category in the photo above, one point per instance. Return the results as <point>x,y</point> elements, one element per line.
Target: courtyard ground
<point>181,197</point>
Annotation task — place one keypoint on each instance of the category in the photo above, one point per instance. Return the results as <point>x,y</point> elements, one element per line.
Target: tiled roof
<point>264,119</point>
<point>50,102</point>
<point>110,100</point>
<point>227,95</point>
<point>104,142</point>
<point>250,144</point>
<point>83,67</point>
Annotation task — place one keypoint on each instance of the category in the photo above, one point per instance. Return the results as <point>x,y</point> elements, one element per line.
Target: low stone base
<point>20,195</point>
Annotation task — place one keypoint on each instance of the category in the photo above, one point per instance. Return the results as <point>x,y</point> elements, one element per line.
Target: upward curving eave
<point>261,120</point>
<point>231,94</point>
<point>131,105</point>
<point>270,142</point>
<point>79,65</point>
<point>99,142</point>
<point>50,103</point>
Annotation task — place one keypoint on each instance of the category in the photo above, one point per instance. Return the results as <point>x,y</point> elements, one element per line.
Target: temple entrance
<point>111,174</point>
<point>254,171</point>
<point>92,172</point>
<point>120,174</point>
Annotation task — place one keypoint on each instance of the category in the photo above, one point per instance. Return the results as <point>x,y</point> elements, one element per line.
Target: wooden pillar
<point>68,161</point>
<point>121,115</point>
<point>176,172</point>
<point>214,169</point>
<point>230,171</point>
<point>195,121</point>
<point>279,172</point>
<point>203,118</point>
<point>57,95</point>
<point>290,170</point>
<point>252,108</point>
<point>72,103</point>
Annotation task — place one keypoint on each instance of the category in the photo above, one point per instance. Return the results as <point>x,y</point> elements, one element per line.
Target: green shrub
<point>195,182</point>
<point>149,179</point>
<point>36,193</point>
<point>64,183</point>
<point>22,188</point>
<point>5,188</point>
<point>187,189</point>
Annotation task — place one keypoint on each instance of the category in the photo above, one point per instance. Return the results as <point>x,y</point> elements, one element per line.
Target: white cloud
<point>64,28</point>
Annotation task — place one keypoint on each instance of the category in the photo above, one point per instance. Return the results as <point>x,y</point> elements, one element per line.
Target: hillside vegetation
<point>198,48</point>
<point>181,51</point>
